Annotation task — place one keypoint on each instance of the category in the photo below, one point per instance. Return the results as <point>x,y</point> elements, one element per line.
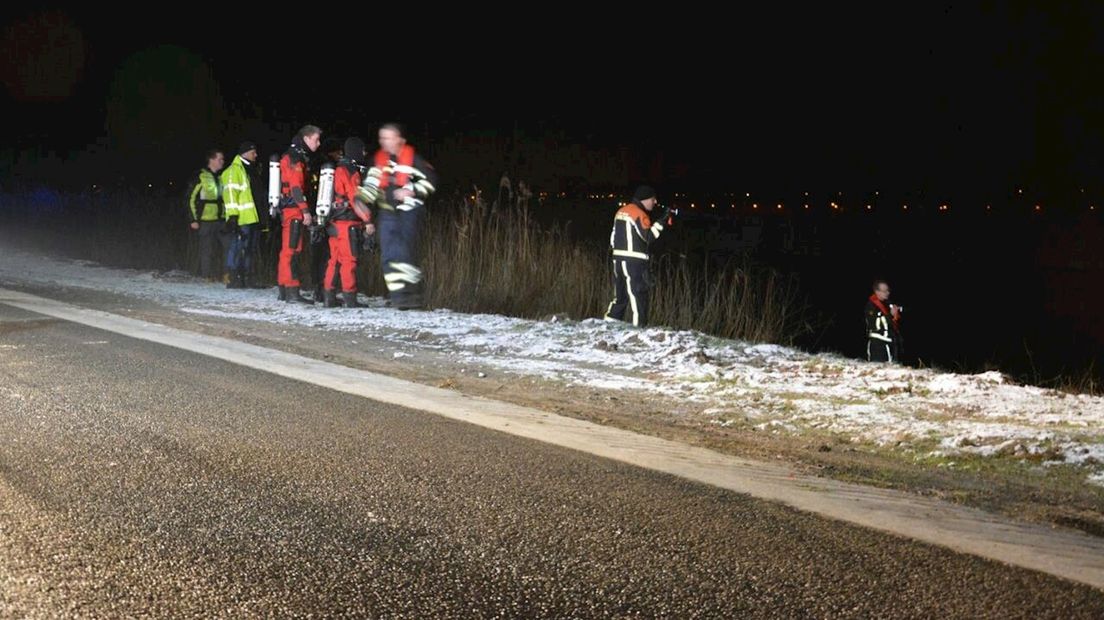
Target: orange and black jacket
<point>633,232</point>
<point>294,167</point>
<point>347,177</point>
<point>881,326</point>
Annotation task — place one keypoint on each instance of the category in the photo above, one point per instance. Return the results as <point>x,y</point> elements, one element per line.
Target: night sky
<point>956,98</point>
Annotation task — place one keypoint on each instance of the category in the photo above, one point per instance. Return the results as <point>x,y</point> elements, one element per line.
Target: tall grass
<point>477,259</point>
<point>731,301</point>
<point>505,263</point>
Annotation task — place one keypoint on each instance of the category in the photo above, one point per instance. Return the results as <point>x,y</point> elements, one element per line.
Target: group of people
<point>383,193</point>
<point>387,192</point>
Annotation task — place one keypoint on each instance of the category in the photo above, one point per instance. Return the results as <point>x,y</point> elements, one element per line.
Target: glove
<point>662,214</point>
<point>231,225</point>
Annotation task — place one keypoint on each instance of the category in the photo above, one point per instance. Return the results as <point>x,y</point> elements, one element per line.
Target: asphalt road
<point>138,479</point>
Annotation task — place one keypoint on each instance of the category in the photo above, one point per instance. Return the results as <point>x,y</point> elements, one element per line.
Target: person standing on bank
<point>295,212</point>
<point>398,183</point>
<point>205,208</point>
<point>883,326</point>
<point>634,230</point>
<point>241,217</point>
